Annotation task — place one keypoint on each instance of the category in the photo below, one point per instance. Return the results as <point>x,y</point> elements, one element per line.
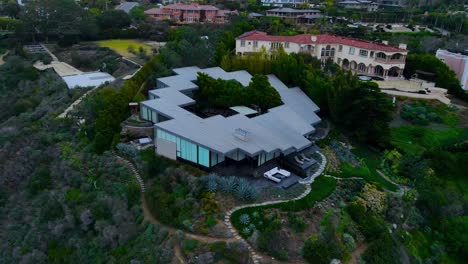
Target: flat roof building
<point>458,63</point>
<point>181,134</point>
<point>87,79</point>
<point>127,6</point>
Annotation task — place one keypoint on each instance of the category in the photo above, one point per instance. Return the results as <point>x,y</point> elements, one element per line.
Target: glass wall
<point>147,113</point>
<point>264,157</point>
<point>190,151</point>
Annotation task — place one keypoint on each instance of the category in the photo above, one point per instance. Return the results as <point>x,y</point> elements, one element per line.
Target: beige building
<point>359,56</point>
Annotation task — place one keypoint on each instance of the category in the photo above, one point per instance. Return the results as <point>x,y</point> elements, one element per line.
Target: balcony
<point>389,61</point>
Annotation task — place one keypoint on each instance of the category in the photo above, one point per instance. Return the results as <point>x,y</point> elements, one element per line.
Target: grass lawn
<point>416,139</point>
<point>121,46</point>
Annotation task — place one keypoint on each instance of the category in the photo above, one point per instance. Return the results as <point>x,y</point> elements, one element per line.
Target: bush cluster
<point>239,187</point>
<point>419,115</point>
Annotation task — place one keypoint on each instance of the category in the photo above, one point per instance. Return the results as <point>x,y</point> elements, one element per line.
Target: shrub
<point>382,251</point>
<point>127,150</point>
<point>244,219</point>
<point>209,203</point>
<point>211,182</point>
<point>317,252</point>
<point>227,184</point>
<point>349,241</point>
<point>245,191</point>
<point>210,221</point>
<point>190,244</point>
<point>187,224</point>
<point>297,224</point>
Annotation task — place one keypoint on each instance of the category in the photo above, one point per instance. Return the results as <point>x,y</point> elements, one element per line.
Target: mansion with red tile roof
<point>360,56</point>
<point>190,13</point>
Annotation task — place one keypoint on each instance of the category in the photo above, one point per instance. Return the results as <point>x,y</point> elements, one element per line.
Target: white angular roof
<point>282,128</point>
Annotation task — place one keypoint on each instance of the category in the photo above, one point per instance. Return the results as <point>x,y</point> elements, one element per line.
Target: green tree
<point>317,251</point>
<point>262,93</point>
<point>51,17</point>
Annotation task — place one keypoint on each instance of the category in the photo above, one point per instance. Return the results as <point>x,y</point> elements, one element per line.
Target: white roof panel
<point>90,79</point>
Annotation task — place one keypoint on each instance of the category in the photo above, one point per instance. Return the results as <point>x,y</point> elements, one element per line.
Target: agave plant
<point>244,219</point>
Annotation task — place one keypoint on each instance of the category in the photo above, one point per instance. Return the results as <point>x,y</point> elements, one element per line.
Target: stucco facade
<point>190,13</point>
<point>358,56</point>
<point>458,63</point>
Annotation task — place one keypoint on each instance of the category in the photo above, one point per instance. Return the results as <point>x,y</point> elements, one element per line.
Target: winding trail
<point>255,256</point>
<point>3,56</point>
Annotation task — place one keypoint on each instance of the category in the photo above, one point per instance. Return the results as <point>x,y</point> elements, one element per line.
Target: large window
<point>363,53</point>
<point>242,43</point>
<point>190,151</point>
<point>286,45</point>
<point>351,50</point>
<point>255,43</point>
<point>147,113</point>
<point>203,156</point>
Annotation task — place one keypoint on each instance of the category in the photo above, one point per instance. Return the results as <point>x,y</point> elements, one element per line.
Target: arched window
<point>361,67</point>
<point>381,55</point>
<point>323,52</point>
<point>396,56</point>
<point>332,53</point>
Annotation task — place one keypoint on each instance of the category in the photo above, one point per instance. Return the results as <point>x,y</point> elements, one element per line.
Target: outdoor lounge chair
<point>305,157</point>
<point>285,173</point>
<point>269,175</point>
<point>300,162</point>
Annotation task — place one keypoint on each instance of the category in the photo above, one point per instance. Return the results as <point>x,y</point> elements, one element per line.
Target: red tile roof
<point>190,7</point>
<point>320,39</point>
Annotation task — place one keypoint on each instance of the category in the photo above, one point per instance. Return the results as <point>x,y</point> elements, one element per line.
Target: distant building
<point>255,15</point>
<point>281,3</point>
<point>458,63</point>
<point>390,3</point>
<point>127,6</point>
<point>87,79</point>
<point>296,15</point>
<point>360,4</point>
<point>359,56</point>
<point>190,13</point>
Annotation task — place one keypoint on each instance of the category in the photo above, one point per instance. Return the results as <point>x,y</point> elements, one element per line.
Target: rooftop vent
<point>241,134</point>
<point>313,38</point>
<point>402,46</point>
<point>385,42</point>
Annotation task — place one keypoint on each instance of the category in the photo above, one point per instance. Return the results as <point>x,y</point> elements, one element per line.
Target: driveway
<point>411,88</point>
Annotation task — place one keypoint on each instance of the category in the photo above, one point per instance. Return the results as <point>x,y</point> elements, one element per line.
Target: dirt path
<point>3,56</point>
<point>357,253</point>
<point>256,257</point>
<point>178,254</point>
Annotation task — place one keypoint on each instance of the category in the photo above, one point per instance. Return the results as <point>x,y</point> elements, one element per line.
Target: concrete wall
<point>166,148</point>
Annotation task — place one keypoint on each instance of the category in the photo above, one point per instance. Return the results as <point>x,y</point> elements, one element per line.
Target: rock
<point>86,218</point>
<point>207,257</point>
<point>253,239</point>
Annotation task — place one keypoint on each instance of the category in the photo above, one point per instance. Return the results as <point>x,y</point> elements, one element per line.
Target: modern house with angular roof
<point>357,55</point>
<point>241,136</point>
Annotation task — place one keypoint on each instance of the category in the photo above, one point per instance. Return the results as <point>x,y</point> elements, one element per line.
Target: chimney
<point>313,38</point>
<point>402,46</point>
<point>385,42</point>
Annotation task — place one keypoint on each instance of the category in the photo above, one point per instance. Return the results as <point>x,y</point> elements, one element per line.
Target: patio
<point>248,169</point>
